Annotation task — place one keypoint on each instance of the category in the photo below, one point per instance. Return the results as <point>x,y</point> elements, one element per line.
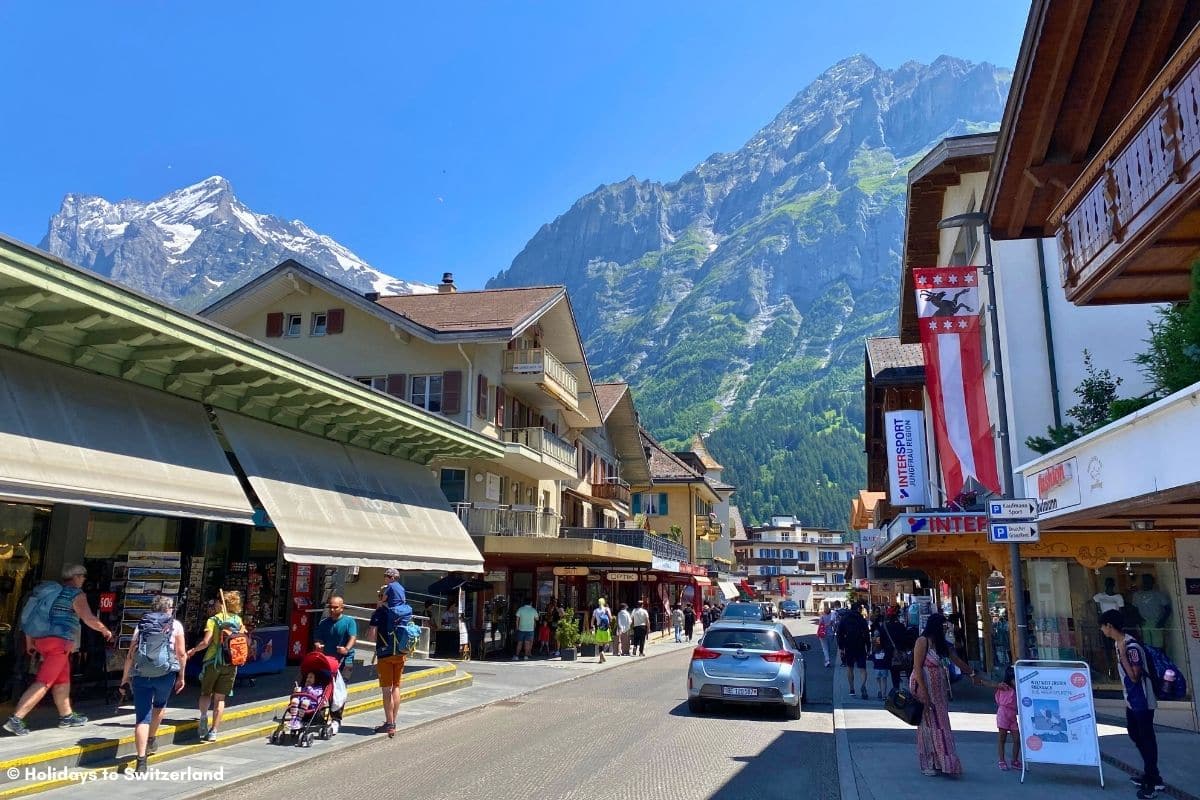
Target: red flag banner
<point>948,307</point>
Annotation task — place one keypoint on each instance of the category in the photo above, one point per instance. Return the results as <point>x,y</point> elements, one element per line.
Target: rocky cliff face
<point>735,299</point>
<point>186,246</point>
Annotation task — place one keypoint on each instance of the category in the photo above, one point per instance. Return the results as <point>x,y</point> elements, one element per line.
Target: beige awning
<point>345,506</point>
<point>70,436</point>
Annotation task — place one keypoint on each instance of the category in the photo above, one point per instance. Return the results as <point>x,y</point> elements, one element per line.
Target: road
<point>621,734</point>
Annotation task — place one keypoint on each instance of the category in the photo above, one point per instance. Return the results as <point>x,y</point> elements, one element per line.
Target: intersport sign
<point>908,480</point>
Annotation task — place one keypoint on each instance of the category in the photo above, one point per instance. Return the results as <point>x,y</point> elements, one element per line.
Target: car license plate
<point>739,691</point>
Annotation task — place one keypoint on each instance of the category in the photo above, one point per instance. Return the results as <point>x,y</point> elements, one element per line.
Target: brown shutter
<point>275,325</point>
<point>396,385</point>
<point>335,320</point>
<point>481,396</point>
<point>451,391</point>
<point>500,406</point>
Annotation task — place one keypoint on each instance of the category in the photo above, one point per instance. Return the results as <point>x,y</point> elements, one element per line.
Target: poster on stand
<point>1057,715</point>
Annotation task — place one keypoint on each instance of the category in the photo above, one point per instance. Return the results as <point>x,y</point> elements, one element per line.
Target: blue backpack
<point>1159,664</point>
<point>402,635</point>
<point>35,617</point>
<point>155,656</point>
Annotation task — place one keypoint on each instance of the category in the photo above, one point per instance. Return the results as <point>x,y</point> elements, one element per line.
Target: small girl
<point>882,663</point>
<point>1006,720</point>
<point>543,636</point>
<point>304,701</point>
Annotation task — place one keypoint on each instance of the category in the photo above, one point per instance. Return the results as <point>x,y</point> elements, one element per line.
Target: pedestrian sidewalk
<point>191,770</point>
<point>877,755</point>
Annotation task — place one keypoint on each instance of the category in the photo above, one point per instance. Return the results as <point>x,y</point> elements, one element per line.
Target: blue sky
<point>425,139</point>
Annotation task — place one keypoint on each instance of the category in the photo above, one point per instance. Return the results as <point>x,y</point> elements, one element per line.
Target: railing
<point>507,521</point>
<point>1146,156</point>
<point>539,360</point>
<point>615,490</point>
<point>544,442</point>
<point>631,537</point>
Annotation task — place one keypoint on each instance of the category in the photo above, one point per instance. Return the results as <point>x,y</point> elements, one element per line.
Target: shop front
<point>23,530</point>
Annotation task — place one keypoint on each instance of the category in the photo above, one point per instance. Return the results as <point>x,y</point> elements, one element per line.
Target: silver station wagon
<point>747,662</point>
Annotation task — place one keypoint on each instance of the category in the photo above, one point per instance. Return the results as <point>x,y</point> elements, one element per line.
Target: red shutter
<point>396,386</point>
<point>481,396</point>
<point>335,320</point>
<point>275,325</point>
<point>451,391</point>
<point>500,406</point>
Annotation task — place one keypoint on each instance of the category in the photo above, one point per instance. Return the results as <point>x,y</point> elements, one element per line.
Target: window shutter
<point>395,385</point>
<point>481,396</point>
<point>662,504</point>
<point>636,507</point>
<point>451,391</point>
<point>275,325</point>
<point>335,320</point>
<point>500,406</point>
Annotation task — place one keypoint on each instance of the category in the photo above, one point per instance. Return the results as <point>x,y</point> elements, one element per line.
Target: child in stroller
<point>309,712</point>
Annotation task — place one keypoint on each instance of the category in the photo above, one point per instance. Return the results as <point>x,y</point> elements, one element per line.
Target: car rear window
<point>746,639</point>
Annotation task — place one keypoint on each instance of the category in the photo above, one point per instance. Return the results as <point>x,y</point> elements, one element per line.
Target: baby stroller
<point>309,714</point>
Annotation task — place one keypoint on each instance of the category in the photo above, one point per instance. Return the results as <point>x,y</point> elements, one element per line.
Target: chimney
<point>372,296</point>
<point>447,284</point>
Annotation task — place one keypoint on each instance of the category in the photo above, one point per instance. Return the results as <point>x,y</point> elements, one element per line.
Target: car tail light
<point>704,654</point>
<point>779,657</point>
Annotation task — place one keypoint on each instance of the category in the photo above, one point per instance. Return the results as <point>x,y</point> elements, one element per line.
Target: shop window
<point>294,324</point>
<point>426,392</point>
<point>111,535</point>
<point>23,530</point>
<point>320,322</point>
<point>454,485</point>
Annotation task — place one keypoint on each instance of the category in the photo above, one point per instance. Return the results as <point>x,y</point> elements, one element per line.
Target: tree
<point>1173,361</point>
<point>1097,393</point>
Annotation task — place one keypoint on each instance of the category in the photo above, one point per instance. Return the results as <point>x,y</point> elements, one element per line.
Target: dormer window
<point>294,325</point>
<point>320,321</point>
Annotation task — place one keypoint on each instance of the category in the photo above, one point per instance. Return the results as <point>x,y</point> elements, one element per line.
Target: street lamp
<point>970,220</point>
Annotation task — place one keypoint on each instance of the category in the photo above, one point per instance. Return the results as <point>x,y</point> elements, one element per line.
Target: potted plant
<point>587,645</point>
<point>567,635</point>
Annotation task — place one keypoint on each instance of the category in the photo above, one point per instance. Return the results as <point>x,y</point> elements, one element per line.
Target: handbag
<point>904,705</point>
<point>901,659</point>
<point>821,631</point>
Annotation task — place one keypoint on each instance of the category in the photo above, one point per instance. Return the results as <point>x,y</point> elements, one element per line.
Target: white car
<point>747,662</point>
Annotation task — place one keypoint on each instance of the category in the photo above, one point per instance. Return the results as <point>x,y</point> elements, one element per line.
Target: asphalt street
<point>624,733</point>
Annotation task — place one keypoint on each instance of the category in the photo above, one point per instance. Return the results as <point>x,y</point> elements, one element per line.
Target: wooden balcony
<point>536,375</point>
<point>616,491</point>
<point>1129,226</point>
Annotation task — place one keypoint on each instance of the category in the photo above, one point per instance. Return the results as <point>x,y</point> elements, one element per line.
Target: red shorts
<point>56,662</point>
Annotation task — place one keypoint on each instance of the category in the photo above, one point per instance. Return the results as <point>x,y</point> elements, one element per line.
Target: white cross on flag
<point>948,306</point>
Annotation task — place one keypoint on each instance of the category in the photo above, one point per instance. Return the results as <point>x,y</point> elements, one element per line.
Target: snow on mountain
<point>197,242</point>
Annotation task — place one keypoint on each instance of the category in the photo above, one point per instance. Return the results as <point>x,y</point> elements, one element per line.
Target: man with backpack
<point>395,635</point>
<point>50,622</point>
<point>852,638</point>
<point>1137,683</point>
<point>156,660</point>
<point>226,647</point>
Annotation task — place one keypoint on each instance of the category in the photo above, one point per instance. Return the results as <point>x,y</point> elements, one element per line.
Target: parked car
<point>753,611</point>
<point>747,662</point>
<point>789,609</point>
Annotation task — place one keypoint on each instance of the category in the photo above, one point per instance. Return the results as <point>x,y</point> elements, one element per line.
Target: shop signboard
<point>907,474</point>
<point>570,572</point>
<point>1056,487</point>
<point>1057,714</point>
<point>937,524</point>
<point>1187,553</point>
<point>622,577</point>
<point>108,602</point>
<point>495,576</point>
<point>664,564</point>
<point>868,539</point>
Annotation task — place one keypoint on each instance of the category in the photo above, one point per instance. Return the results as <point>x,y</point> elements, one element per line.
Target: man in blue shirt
<point>336,635</point>
<point>1140,702</point>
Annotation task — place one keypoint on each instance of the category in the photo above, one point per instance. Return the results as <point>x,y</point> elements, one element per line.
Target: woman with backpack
<point>156,660</point>
<point>224,633</point>
<point>602,623</point>
<point>50,622</point>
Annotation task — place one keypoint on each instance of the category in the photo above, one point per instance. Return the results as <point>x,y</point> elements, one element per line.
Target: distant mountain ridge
<point>189,245</point>
<point>735,300</point>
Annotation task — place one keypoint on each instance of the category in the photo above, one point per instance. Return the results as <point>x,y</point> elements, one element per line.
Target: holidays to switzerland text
<point>42,774</point>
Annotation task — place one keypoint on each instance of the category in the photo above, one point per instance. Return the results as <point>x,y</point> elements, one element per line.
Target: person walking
<point>825,633</point>
<point>898,644</point>
<point>1006,719</point>
<point>708,615</point>
<point>677,623</point>
<point>624,628</point>
<point>641,628</point>
<point>689,621</point>
<point>217,677</point>
<point>337,634</point>
<point>852,639</point>
<point>930,682</point>
<point>527,617</point>
<point>1133,664</point>
<point>50,621</point>
<point>156,660</point>
<point>602,627</point>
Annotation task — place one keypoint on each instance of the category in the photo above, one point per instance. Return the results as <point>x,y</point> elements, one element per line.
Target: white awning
<point>70,436</point>
<point>345,506</point>
<point>729,590</point>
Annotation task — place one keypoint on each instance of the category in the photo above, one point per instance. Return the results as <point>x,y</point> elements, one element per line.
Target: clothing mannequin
<point>1110,598</point>
<point>1155,608</point>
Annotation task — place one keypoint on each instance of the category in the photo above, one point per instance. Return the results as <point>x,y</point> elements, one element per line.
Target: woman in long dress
<point>931,683</point>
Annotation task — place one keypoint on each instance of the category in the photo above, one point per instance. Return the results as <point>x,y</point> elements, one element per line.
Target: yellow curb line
<point>93,775</point>
<point>167,730</point>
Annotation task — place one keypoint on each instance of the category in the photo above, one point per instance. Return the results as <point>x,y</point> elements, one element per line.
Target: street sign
<point>1015,532</point>
<point>1012,509</point>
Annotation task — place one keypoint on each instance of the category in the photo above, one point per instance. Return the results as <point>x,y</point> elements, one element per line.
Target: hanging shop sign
<point>1055,487</point>
<point>938,523</point>
<point>570,572</point>
<point>907,475</point>
<point>1057,714</point>
<point>622,577</point>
